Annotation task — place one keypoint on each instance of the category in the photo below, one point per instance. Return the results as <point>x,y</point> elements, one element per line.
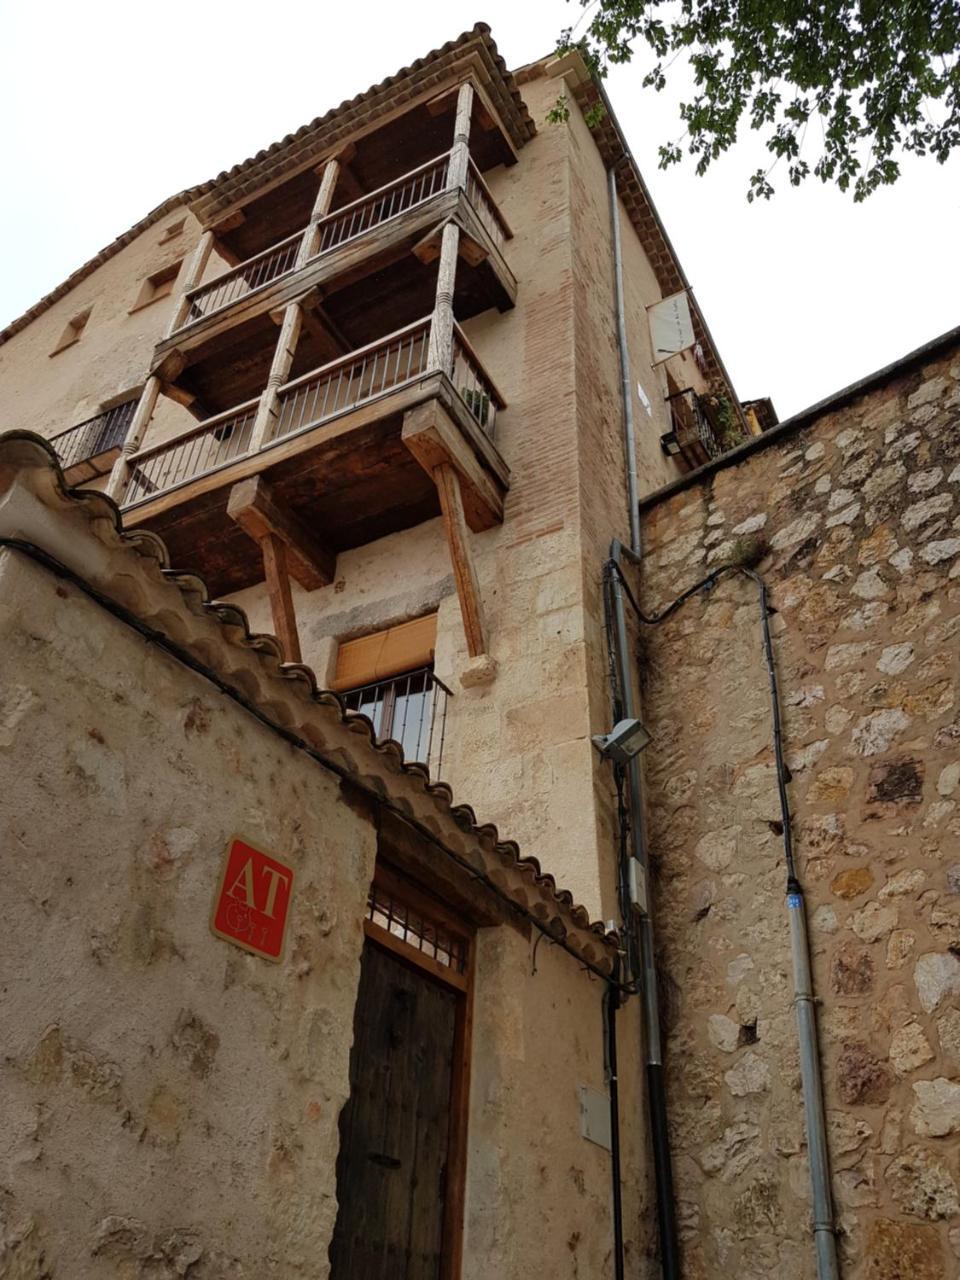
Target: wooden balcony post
<point>195,269</point>
<point>455,527</point>
<point>277,574</point>
<point>283,354</point>
<point>460,153</point>
<point>117,484</point>
<point>440,355</point>
<point>321,207</point>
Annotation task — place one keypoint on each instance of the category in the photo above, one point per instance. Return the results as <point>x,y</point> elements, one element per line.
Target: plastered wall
<point>169,1104</point>
<point>859,517</point>
<point>538,1192</point>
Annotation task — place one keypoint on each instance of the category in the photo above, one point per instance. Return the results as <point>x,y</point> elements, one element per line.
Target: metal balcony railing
<point>399,359</point>
<point>249,276</point>
<point>358,377</point>
<point>205,447</point>
<point>411,709</point>
<point>486,207</point>
<point>107,430</point>
<point>386,202</point>
<point>340,227</point>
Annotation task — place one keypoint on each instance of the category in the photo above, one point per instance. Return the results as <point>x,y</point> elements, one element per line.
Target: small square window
<point>173,230</point>
<point>159,285</point>
<point>72,333</point>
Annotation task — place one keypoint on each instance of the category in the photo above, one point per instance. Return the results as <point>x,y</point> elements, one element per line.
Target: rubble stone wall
<point>855,523</point>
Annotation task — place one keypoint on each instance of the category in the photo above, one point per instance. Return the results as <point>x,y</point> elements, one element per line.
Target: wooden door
<point>395,1128</point>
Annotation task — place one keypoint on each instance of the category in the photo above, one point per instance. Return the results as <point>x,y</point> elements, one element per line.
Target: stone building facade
<point>175,1107</point>
<point>852,516</point>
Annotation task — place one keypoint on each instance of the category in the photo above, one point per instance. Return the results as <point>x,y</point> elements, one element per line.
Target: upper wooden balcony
<point>347,456</point>
<point>353,241</point>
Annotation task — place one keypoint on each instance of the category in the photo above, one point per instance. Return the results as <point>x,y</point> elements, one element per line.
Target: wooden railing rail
<point>262,269</point>
<point>476,389</point>
<point>205,447</point>
<point>352,380</point>
<point>341,226</point>
<point>386,202</point>
<point>487,209</point>
<point>394,361</point>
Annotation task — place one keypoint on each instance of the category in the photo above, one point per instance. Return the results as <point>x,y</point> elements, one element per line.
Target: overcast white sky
<point>112,106</point>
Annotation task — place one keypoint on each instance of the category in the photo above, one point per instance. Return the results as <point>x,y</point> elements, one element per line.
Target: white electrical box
<point>594,1116</point>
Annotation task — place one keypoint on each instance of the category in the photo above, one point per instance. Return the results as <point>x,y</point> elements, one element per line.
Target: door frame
<point>396,886</point>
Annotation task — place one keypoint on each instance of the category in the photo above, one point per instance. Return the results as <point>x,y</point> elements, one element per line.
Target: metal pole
<point>645,962</point>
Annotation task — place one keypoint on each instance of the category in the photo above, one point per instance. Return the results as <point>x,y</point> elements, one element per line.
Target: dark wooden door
<point>394,1129</point>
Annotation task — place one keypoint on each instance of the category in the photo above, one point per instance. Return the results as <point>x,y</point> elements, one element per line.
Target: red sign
<point>253,900</point>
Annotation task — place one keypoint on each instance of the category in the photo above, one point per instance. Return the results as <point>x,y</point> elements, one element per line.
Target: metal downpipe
<point>642,924</point>
<point>611,1003</point>
<point>824,1229</point>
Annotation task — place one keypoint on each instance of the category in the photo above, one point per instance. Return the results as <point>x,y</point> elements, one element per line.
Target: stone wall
<point>855,522</point>
<point>169,1103</point>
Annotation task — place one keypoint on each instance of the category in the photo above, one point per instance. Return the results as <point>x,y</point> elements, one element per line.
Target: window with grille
<point>411,709</point>
<point>416,928</point>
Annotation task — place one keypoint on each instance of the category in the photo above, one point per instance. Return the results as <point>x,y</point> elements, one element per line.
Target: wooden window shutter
<point>386,653</point>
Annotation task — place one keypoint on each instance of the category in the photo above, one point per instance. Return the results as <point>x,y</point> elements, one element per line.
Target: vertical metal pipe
<point>825,1241</point>
<point>611,1002</point>
<point>629,431</point>
<point>824,1233</point>
<point>643,954</point>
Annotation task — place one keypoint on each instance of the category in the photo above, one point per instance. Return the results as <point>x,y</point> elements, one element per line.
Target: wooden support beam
<point>460,151</point>
<point>428,247</point>
<point>330,175</point>
<point>171,366</point>
<point>434,440</point>
<point>442,102</point>
<point>455,527</point>
<point>252,506</point>
<point>191,277</point>
<point>120,473</point>
<point>327,336</point>
<point>440,355</point>
<point>229,223</point>
<point>268,410</point>
<point>275,571</point>
<point>179,395</point>
<point>470,250</point>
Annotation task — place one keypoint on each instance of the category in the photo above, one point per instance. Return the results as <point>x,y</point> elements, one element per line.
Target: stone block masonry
<point>855,522</point>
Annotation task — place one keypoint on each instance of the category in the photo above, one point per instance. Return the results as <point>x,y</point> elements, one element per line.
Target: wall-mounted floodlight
<point>624,741</point>
<point>670,444</point>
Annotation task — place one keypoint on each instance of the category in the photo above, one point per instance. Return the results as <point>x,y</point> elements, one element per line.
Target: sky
<point>111,107</point>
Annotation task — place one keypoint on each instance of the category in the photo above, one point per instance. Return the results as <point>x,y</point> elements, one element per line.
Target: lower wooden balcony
<point>350,453</point>
<point>91,448</point>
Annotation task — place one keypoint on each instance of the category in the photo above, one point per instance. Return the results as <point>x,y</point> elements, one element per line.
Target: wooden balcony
<point>353,241</point>
<point>347,456</point>
<point>90,448</point>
